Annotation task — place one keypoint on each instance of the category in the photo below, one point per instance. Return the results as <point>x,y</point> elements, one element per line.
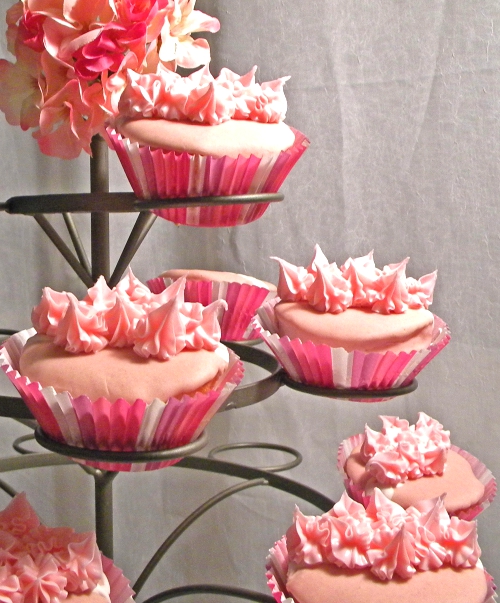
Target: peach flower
<point>72,57</point>
<point>177,45</point>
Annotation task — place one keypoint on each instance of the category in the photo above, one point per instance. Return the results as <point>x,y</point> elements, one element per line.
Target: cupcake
<point>409,463</point>
<point>42,564</point>
<point>243,295</point>
<point>123,369</point>
<point>199,136</point>
<point>381,554</point>
<point>353,327</point>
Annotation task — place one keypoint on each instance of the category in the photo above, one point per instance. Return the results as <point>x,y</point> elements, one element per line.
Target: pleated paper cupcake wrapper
<point>119,586</point>
<point>327,367</point>
<point>242,301</point>
<point>277,569</point>
<point>118,425</point>
<point>480,471</point>
<point>160,174</point>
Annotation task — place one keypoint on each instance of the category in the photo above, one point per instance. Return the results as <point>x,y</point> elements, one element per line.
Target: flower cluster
<point>358,284</point>
<point>42,564</point>
<point>129,315</point>
<point>402,451</point>
<point>384,538</point>
<point>73,59</point>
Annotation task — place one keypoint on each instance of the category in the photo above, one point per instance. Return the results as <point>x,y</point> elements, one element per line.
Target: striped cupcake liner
<point>480,471</point>
<point>160,174</point>
<point>242,303</point>
<point>326,367</point>
<point>119,586</point>
<point>118,425</point>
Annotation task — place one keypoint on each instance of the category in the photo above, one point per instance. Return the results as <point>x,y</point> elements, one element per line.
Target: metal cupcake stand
<point>100,203</point>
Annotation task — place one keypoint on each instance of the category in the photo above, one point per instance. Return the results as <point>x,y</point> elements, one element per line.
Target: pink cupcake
<point>197,136</point>
<point>381,554</point>
<point>122,370</point>
<point>353,327</point>
<point>53,564</point>
<point>415,462</point>
<point>243,295</point>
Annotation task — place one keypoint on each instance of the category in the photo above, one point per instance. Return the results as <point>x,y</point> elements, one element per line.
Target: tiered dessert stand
<point>100,203</point>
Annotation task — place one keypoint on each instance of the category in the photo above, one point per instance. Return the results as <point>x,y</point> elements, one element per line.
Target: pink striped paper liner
<point>327,367</point>
<point>242,301</point>
<point>277,569</point>
<point>160,174</point>
<point>480,471</point>
<point>119,586</point>
<point>118,425</point>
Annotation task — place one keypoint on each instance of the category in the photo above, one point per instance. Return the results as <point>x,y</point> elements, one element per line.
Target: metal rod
<point>184,525</point>
<point>141,228</point>
<point>14,408</point>
<point>119,202</point>
<point>7,489</point>
<point>16,444</point>
<point>99,221</point>
<point>104,510</point>
<point>275,481</point>
<point>77,242</point>
<point>262,446</point>
<point>63,249</point>
<point>215,589</point>
<point>30,461</point>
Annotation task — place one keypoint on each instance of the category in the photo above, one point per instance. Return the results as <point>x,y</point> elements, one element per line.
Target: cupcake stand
<point>100,203</point>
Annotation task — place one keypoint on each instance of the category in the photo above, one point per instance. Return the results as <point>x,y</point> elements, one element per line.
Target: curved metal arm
<point>184,525</point>
<point>249,473</point>
<point>213,589</point>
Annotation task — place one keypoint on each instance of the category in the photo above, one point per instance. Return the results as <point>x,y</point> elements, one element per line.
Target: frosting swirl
<point>402,451</point>
<point>357,284</point>
<point>201,98</point>
<point>383,538</point>
<point>46,565</point>
<point>129,315</point>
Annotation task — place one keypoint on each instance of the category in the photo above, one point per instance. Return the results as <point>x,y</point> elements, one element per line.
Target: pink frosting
<point>358,284</point>
<point>383,538</point>
<point>402,451</point>
<point>52,307</point>
<point>45,565</point>
<point>202,98</point>
<point>81,329</point>
<point>176,326</point>
<point>129,315</point>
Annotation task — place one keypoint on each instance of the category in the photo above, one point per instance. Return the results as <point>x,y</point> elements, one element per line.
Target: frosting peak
<point>201,98</point>
<point>128,315</point>
<point>402,451</point>
<point>384,538</point>
<point>358,283</point>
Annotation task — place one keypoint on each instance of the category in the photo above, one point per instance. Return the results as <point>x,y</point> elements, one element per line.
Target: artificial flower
<point>73,57</point>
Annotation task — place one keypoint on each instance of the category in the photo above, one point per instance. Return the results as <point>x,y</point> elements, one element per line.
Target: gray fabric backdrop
<point>400,101</point>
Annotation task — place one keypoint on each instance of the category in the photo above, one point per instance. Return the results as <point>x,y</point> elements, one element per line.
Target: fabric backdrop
<point>400,101</point>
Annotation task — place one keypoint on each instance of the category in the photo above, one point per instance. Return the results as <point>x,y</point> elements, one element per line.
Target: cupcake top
<point>128,316</point>
<point>410,463</point>
<point>201,98</point>
<point>356,284</point>
<point>401,451</point>
<point>384,538</point>
<point>46,565</point>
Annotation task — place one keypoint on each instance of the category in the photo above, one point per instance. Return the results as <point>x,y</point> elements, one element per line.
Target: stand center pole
<point>103,481</point>
<point>99,221</point>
